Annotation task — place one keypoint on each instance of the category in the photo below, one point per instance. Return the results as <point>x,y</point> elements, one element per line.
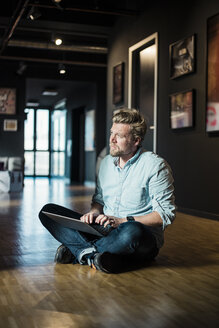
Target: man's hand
<point>102,219</point>
<point>112,220</point>
<point>88,217</point>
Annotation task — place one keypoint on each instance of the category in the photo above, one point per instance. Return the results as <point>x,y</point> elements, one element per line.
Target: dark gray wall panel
<point>193,154</point>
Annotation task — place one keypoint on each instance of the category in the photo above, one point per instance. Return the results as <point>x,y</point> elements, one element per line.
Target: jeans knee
<point>132,232</point>
<point>46,208</point>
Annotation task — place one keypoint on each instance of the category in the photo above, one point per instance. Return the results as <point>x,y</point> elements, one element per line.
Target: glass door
<point>58,143</point>
<point>36,143</point>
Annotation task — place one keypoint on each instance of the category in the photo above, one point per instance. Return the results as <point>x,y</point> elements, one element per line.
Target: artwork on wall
<point>182,109</point>
<point>118,84</point>
<point>7,101</point>
<point>10,125</point>
<point>182,57</point>
<point>212,111</point>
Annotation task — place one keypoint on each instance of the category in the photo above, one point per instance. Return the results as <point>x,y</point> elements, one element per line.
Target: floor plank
<point>179,289</point>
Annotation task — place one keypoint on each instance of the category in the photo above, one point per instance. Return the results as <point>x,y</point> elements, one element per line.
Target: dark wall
<point>82,100</point>
<point>12,143</point>
<point>193,154</point>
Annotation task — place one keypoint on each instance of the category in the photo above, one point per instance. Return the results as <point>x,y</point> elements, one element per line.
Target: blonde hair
<point>134,119</point>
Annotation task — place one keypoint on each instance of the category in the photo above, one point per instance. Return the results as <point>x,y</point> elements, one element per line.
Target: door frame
<point>143,43</point>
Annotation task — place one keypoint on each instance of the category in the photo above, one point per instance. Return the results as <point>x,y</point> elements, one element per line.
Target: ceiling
<point>65,89</point>
<point>84,27</point>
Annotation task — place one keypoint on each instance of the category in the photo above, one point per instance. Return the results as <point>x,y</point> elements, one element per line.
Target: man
<point>134,195</point>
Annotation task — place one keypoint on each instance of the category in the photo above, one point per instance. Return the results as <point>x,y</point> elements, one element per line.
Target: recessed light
<point>50,93</point>
<point>32,104</point>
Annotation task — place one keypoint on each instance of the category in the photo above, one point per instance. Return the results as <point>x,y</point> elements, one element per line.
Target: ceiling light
<point>62,69</point>
<point>32,103</point>
<point>57,1</point>
<point>58,41</point>
<point>48,92</point>
<point>34,13</point>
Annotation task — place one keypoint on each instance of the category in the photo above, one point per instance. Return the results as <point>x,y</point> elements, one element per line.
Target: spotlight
<point>34,13</point>
<point>58,41</point>
<point>62,69</point>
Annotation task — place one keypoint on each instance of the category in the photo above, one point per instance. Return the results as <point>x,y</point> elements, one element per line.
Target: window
<point>36,142</point>
<point>40,158</point>
<point>58,143</point>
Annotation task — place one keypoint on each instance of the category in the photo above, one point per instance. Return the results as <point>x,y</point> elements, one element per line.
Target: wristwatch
<point>130,218</point>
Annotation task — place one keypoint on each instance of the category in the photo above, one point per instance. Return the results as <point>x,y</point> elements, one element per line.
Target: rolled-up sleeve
<point>161,191</point>
<point>98,196</point>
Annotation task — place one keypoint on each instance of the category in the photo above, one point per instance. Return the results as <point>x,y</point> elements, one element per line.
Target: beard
<point>115,151</point>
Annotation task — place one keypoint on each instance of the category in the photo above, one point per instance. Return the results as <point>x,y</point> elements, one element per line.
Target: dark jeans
<point>132,240</point>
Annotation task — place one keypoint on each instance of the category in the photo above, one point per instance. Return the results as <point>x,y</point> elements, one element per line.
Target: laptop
<point>94,229</point>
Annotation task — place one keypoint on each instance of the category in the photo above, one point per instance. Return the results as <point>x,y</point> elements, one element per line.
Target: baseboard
<point>206,215</point>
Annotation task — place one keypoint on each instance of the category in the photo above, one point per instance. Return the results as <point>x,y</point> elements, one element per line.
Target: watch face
<point>130,218</point>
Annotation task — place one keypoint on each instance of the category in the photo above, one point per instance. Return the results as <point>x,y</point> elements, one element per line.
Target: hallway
<point>180,289</point>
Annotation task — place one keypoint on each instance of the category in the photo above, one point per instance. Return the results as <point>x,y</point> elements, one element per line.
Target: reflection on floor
<point>180,289</point>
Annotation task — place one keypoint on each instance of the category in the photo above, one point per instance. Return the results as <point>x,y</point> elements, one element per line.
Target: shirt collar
<point>131,160</point>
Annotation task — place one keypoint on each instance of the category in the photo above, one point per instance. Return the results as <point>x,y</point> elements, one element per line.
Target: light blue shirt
<point>142,186</point>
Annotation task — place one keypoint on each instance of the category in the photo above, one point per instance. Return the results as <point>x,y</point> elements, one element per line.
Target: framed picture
<point>212,110</point>
<point>10,125</point>
<point>7,101</point>
<point>118,84</point>
<point>182,109</point>
<point>182,55</point>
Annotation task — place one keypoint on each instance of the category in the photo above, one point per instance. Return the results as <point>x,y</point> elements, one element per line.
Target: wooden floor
<point>180,289</point>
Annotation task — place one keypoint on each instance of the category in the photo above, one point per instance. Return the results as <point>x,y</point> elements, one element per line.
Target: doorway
<point>58,143</point>
<point>36,142</point>
<point>45,143</point>
<point>142,85</point>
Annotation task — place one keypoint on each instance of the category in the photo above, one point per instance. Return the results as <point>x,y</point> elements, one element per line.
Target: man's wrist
<point>95,212</point>
<point>130,218</point>
<point>96,208</point>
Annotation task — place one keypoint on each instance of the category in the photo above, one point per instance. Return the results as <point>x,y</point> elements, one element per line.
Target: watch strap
<point>130,218</point>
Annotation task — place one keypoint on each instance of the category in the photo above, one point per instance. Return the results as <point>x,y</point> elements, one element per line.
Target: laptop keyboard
<point>101,229</point>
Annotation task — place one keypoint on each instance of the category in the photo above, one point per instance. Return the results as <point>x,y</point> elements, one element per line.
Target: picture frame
<point>212,101</point>
<point>182,109</point>
<point>118,84</point>
<point>7,101</point>
<point>10,125</point>
<point>182,57</point>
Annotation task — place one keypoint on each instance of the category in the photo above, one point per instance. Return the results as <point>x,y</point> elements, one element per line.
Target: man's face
<point>121,140</point>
